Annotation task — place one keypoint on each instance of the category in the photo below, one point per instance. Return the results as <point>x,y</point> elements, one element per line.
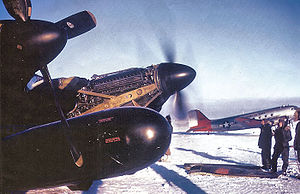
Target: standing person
<point>297,135</point>
<point>264,142</point>
<point>282,137</point>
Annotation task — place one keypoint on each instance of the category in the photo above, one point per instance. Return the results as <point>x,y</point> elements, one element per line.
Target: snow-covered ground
<point>239,147</point>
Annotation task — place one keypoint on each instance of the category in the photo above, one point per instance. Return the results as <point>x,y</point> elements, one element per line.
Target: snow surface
<point>237,147</point>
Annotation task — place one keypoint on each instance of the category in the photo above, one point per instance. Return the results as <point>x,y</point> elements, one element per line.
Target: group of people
<point>282,135</point>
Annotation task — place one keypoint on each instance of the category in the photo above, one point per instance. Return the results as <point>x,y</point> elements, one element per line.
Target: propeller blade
<point>180,106</point>
<point>168,47</point>
<point>76,155</point>
<point>18,9</point>
<point>77,24</point>
<point>195,90</point>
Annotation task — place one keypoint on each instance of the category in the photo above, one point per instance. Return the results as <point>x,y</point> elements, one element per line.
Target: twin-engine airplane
<point>40,147</point>
<point>199,122</point>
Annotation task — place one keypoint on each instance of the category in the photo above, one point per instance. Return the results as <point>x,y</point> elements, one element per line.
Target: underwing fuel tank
<point>113,142</point>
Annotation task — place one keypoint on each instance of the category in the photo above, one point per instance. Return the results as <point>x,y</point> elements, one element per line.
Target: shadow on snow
<point>208,156</point>
<point>173,177</point>
<point>94,187</point>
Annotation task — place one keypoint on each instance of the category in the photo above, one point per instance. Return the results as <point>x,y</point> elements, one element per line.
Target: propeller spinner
<point>175,77</point>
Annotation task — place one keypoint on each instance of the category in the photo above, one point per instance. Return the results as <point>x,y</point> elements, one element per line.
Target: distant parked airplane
<point>199,122</point>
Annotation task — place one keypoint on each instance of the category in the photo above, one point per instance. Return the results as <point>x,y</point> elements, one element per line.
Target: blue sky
<point>240,49</point>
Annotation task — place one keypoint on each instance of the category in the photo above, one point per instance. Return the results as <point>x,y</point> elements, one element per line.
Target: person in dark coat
<point>282,137</point>
<point>297,136</point>
<point>265,142</point>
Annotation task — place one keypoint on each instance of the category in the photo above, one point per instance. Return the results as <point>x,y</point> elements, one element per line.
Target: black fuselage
<point>113,142</point>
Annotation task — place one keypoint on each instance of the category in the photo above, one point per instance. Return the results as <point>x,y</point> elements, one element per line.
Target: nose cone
<point>31,45</point>
<point>174,77</point>
<point>148,138</point>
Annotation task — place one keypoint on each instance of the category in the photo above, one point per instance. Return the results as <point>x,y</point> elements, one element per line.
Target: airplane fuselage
<point>113,142</point>
<point>199,122</point>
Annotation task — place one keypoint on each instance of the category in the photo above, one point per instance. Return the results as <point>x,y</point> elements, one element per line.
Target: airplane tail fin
<point>198,121</point>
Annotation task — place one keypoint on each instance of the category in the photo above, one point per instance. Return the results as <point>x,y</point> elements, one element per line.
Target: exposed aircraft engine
<point>131,87</point>
<point>144,87</point>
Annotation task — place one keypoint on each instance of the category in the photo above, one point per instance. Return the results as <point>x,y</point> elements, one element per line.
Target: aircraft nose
<point>149,139</point>
<point>38,43</point>
<point>175,77</point>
